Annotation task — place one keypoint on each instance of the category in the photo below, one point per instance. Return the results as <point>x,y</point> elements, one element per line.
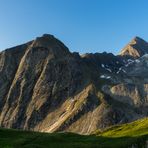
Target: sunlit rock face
<point>44,87</point>
<point>136,48</point>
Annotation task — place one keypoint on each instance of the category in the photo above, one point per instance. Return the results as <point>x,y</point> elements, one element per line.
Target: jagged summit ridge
<point>55,46</point>
<point>136,48</point>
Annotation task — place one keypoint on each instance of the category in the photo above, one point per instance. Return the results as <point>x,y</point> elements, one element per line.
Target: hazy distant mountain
<point>44,87</point>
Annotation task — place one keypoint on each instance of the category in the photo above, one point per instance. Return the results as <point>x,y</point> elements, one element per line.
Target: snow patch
<point>102,65</point>
<point>108,69</point>
<point>137,61</point>
<point>105,77</point>
<point>123,70</point>
<point>145,56</point>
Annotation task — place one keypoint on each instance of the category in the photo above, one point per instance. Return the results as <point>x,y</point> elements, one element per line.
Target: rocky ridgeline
<point>44,87</point>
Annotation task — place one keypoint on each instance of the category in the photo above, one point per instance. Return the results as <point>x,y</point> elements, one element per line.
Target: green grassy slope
<point>134,129</point>
<point>117,137</point>
<point>127,134</point>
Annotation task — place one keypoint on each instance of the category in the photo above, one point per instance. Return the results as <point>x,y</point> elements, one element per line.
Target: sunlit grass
<point>134,129</point>
<point>114,137</point>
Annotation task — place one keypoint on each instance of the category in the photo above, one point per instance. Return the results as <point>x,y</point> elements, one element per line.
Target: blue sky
<point>83,25</point>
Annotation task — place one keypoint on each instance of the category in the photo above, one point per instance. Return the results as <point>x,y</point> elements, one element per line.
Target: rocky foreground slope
<point>44,87</point>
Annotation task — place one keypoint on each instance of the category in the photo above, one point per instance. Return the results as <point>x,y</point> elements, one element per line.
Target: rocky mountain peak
<point>136,48</point>
<point>137,39</point>
<point>52,44</point>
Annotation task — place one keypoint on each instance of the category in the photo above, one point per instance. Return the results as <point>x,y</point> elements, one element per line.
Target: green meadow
<point>120,136</point>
